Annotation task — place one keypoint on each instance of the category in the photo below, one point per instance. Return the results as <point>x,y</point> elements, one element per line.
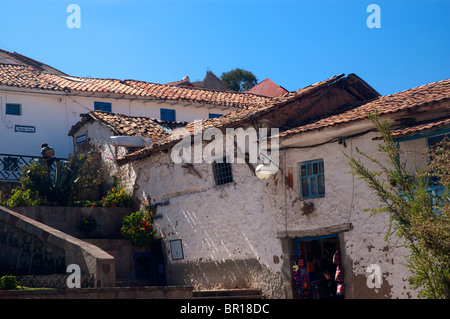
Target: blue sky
<point>293,42</point>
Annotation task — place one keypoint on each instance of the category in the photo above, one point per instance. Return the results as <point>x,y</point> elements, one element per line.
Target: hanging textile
<point>339,276</point>
<point>340,289</point>
<point>337,258</point>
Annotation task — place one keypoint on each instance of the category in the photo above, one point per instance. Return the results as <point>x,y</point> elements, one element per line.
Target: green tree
<point>239,80</point>
<point>417,215</point>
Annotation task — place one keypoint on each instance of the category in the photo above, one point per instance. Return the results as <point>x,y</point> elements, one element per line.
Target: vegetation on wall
<point>8,282</point>
<point>81,181</point>
<point>138,226</point>
<point>418,215</point>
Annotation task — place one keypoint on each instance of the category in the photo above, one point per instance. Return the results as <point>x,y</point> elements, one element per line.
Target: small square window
<point>167,115</point>
<point>312,179</point>
<point>102,106</point>
<point>223,173</point>
<point>13,109</point>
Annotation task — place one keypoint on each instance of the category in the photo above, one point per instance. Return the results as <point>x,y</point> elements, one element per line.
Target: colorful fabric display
<point>337,258</point>
<point>340,289</point>
<point>339,274</point>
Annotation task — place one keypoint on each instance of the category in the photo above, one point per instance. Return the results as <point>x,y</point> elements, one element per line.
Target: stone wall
<point>20,233</point>
<point>67,219</point>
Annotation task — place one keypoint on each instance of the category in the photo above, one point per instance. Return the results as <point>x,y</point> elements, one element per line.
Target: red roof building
<point>268,88</point>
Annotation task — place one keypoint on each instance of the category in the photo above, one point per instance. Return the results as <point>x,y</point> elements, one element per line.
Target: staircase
<point>228,294</point>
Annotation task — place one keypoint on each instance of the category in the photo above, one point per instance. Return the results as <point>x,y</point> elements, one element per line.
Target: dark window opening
<point>223,173</point>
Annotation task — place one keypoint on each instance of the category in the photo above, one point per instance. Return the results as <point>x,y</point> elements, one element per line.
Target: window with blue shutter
<point>13,109</point>
<point>167,115</point>
<point>102,106</point>
<point>312,179</point>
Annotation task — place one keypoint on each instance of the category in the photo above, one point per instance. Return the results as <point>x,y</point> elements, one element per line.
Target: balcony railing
<point>11,166</point>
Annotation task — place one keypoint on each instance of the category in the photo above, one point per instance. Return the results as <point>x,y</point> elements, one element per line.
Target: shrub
<point>8,283</point>
<point>117,197</point>
<point>138,227</point>
<point>22,198</point>
<point>88,225</point>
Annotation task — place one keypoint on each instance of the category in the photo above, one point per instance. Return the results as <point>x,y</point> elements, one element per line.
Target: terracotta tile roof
<point>19,59</point>
<point>124,125</point>
<point>267,88</point>
<point>233,119</point>
<point>197,95</point>
<point>423,127</point>
<point>408,100</point>
<point>411,99</point>
<point>21,76</point>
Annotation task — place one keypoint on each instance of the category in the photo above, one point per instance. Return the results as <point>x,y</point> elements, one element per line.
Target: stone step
<point>228,294</point>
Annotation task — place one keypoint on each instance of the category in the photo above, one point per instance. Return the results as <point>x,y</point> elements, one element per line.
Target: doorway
<point>317,271</point>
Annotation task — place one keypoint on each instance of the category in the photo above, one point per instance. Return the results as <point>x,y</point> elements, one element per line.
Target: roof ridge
<point>136,117</point>
<point>194,88</point>
<point>415,88</point>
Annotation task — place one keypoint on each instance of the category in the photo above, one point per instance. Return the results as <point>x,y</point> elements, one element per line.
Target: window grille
<point>223,172</point>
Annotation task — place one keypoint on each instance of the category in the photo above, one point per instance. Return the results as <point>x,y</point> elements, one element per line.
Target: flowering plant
<point>138,227</point>
<point>117,197</point>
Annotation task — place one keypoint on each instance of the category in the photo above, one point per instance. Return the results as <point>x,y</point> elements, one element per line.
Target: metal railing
<point>11,166</point>
<point>56,281</point>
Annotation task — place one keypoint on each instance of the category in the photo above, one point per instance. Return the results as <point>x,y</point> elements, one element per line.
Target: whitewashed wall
<point>231,233</point>
<point>346,200</point>
<point>53,115</point>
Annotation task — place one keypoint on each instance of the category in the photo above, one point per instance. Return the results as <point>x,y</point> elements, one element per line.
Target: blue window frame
<point>102,106</point>
<point>214,115</point>
<point>13,109</point>
<point>432,141</point>
<point>312,179</point>
<point>167,115</point>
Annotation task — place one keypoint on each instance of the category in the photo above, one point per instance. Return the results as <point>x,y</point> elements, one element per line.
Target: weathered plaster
<point>222,227</point>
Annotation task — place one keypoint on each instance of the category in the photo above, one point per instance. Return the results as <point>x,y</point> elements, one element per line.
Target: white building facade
<point>279,233</point>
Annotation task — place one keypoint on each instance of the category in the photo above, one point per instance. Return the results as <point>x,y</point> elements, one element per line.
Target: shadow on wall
<point>228,274</point>
<point>222,270</point>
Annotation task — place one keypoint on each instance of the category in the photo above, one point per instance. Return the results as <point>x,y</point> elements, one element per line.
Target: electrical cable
<point>75,101</point>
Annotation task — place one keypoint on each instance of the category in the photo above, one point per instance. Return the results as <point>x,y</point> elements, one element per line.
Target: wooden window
<point>312,179</point>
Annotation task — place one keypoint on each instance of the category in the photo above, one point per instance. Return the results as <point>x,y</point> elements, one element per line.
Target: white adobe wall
<point>346,199</point>
<point>48,114</point>
<point>230,233</point>
<point>54,114</point>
